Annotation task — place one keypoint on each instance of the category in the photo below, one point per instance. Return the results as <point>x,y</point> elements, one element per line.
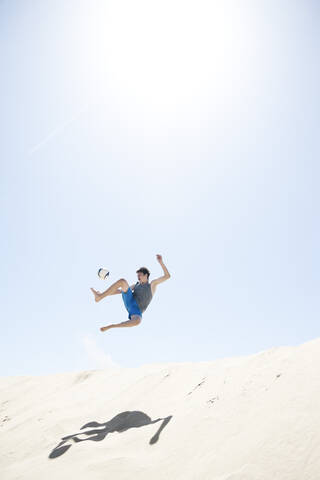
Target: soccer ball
<point>103,273</point>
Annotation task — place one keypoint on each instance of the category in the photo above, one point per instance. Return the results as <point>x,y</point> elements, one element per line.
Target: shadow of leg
<point>56,452</point>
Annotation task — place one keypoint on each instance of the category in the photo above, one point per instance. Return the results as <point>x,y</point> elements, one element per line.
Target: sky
<point>188,129</point>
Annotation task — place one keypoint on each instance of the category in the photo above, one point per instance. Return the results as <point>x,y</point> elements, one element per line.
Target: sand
<point>254,417</point>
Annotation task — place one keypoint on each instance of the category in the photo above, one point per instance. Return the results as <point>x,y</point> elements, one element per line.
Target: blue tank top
<point>142,295</point>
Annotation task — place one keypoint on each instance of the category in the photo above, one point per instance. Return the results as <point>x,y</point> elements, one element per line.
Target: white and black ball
<point>103,273</point>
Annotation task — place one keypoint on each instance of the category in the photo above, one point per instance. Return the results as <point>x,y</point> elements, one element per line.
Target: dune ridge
<point>253,417</point>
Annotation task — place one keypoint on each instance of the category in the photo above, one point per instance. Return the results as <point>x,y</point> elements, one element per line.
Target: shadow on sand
<point>120,423</point>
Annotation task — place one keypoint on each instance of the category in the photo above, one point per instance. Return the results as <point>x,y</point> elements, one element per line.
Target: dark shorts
<point>130,303</point>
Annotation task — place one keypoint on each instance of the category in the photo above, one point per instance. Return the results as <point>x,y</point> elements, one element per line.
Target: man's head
<point>143,274</point>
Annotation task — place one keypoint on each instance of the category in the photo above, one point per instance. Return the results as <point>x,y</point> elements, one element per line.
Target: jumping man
<point>136,297</point>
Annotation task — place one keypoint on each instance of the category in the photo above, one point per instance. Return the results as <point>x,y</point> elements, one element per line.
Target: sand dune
<point>242,418</point>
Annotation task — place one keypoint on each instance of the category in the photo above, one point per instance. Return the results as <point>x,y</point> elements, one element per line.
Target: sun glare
<point>166,54</point>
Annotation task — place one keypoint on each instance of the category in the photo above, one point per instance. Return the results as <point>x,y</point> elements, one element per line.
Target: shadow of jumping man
<point>120,423</point>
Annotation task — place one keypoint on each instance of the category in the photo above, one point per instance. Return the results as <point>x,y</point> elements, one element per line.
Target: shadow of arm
<point>155,437</point>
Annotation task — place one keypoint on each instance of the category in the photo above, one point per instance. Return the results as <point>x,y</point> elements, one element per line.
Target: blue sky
<point>128,130</point>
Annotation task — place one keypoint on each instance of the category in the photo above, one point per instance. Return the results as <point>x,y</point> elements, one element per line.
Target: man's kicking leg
<point>112,290</point>
<point>135,320</point>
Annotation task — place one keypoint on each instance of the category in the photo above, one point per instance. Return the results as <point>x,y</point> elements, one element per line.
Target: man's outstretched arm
<point>164,277</point>
<point>164,268</point>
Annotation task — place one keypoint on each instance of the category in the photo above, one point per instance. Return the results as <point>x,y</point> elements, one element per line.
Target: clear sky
<point>184,128</point>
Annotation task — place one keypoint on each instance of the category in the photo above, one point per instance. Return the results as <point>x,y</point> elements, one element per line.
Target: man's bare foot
<point>103,329</point>
<point>97,295</point>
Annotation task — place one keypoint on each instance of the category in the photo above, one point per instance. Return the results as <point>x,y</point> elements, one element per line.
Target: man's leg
<point>112,290</point>
<point>135,320</point>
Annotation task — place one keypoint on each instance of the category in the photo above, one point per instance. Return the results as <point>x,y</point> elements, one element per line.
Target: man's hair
<point>144,270</point>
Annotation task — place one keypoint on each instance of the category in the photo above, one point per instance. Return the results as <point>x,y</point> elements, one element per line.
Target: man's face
<point>142,278</point>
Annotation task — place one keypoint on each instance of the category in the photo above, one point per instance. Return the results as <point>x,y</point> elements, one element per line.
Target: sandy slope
<point>244,418</point>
